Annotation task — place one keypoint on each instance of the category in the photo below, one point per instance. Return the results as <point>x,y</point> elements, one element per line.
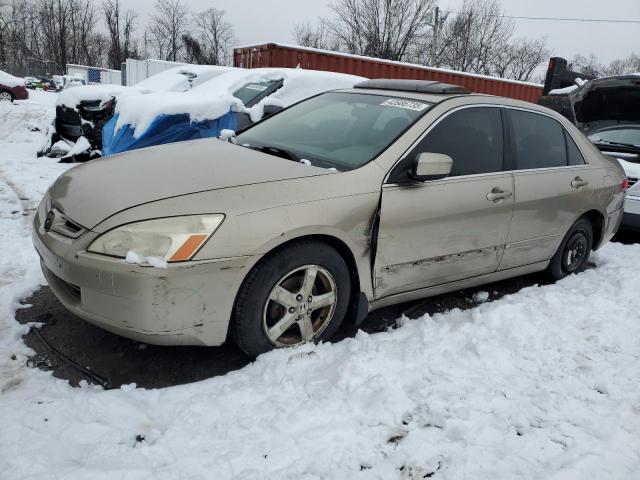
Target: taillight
<point>625,184</point>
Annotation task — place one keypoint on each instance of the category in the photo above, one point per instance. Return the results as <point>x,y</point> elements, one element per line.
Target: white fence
<point>93,75</point>
<point>138,70</point>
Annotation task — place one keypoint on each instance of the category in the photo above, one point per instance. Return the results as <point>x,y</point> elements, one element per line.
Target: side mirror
<point>431,166</point>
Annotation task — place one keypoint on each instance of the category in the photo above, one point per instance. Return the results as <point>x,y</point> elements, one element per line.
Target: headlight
<point>173,239</point>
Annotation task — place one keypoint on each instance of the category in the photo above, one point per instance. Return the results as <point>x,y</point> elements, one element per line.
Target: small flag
<point>93,75</point>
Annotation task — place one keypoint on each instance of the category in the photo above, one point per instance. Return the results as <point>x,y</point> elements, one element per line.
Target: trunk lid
<point>607,102</point>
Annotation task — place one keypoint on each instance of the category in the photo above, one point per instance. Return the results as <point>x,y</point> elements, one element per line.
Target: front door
<point>445,230</point>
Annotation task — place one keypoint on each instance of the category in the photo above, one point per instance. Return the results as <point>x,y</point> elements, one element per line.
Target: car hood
<point>92,192</point>
<point>607,101</point>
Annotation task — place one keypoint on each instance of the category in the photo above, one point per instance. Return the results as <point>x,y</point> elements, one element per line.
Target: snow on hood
<point>9,80</point>
<point>177,79</point>
<point>172,80</point>
<point>73,96</point>
<point>215,97</point>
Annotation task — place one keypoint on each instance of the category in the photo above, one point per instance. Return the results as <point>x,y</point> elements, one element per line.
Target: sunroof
<point>420,86</point>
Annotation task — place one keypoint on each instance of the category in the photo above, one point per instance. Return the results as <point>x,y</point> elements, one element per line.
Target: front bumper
<point>21,93</point>
<point>185,304</point>
<point>631,219</point>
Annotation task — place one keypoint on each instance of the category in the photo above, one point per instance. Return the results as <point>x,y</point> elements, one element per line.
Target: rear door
<point>552,184</point>
<point>444,230</point>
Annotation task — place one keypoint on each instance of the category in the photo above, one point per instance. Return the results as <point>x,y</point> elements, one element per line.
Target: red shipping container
<point>289,56</point>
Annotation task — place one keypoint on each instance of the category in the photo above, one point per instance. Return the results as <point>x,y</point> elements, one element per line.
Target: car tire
<point>6,96</point>
<point>574,250</point>
<point>278,305</point>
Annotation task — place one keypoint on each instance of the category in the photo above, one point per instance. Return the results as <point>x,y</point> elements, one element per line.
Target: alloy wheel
<point>5,97</point>
<point>300,306</point>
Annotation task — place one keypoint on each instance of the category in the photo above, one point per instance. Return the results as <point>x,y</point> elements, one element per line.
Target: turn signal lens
<point>188,248</point>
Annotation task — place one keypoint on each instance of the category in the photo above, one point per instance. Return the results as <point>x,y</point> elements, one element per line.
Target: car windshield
<point>252,90</point>
<point>336,129</point>
<point>630,136</point>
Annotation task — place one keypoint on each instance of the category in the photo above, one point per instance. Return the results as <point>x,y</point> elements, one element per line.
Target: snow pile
<point>540,384</point>
<point>630,168</point>
<point>80,146</point>
<point>480,297</point>
<point>214,98</point>
<point>9,80</point>
<point>563,91</point>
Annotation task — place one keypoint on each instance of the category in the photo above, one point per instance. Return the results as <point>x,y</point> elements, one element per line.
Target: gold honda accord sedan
<point>341,204</point>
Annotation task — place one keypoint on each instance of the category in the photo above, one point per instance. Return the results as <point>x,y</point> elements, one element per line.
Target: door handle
<point>578,183</point>
<point>497,194</point>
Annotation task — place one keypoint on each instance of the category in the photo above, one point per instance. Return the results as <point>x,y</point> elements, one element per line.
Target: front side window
<point>472,137</point>
<point>336,129</point>
<point>539,141</point>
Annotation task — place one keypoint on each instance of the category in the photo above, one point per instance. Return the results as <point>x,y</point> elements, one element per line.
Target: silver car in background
<point>341,204</point>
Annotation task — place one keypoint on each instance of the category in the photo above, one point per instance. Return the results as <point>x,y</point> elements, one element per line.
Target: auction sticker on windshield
<point>402,103</point>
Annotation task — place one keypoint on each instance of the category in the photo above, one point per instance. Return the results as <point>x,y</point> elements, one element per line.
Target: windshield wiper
<point>618,144</point>
<point>277,151</point>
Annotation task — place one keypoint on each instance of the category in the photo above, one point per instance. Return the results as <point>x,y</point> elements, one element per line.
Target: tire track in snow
<point>14,205</point>
<point>8,186</point>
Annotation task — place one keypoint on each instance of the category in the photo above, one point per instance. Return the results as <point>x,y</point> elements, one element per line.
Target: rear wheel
<point>299,294</point>
<point>6,96</point>
<point>574,250</point>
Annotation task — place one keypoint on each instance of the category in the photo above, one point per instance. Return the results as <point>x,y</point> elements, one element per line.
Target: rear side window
<point>472,137</point>
<point>573,152</point>
<point>539,141</point>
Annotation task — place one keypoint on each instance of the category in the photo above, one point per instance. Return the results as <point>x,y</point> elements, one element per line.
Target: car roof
<point>471,98</point>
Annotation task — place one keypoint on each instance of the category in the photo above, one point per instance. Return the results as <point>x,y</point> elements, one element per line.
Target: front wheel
<point>296,295</point>
<point>5,96</point>
<point>574,250</point>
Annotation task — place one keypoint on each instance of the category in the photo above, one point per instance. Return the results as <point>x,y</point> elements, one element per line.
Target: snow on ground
<point>542,384</point>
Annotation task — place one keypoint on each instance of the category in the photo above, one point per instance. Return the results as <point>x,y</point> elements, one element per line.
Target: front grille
<point>63,226</point>
<point>632,181</point>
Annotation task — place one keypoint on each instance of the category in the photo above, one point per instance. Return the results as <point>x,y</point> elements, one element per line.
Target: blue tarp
<point>163,129</point>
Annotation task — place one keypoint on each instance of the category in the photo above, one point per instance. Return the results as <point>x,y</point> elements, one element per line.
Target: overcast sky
<point>258,21</point>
